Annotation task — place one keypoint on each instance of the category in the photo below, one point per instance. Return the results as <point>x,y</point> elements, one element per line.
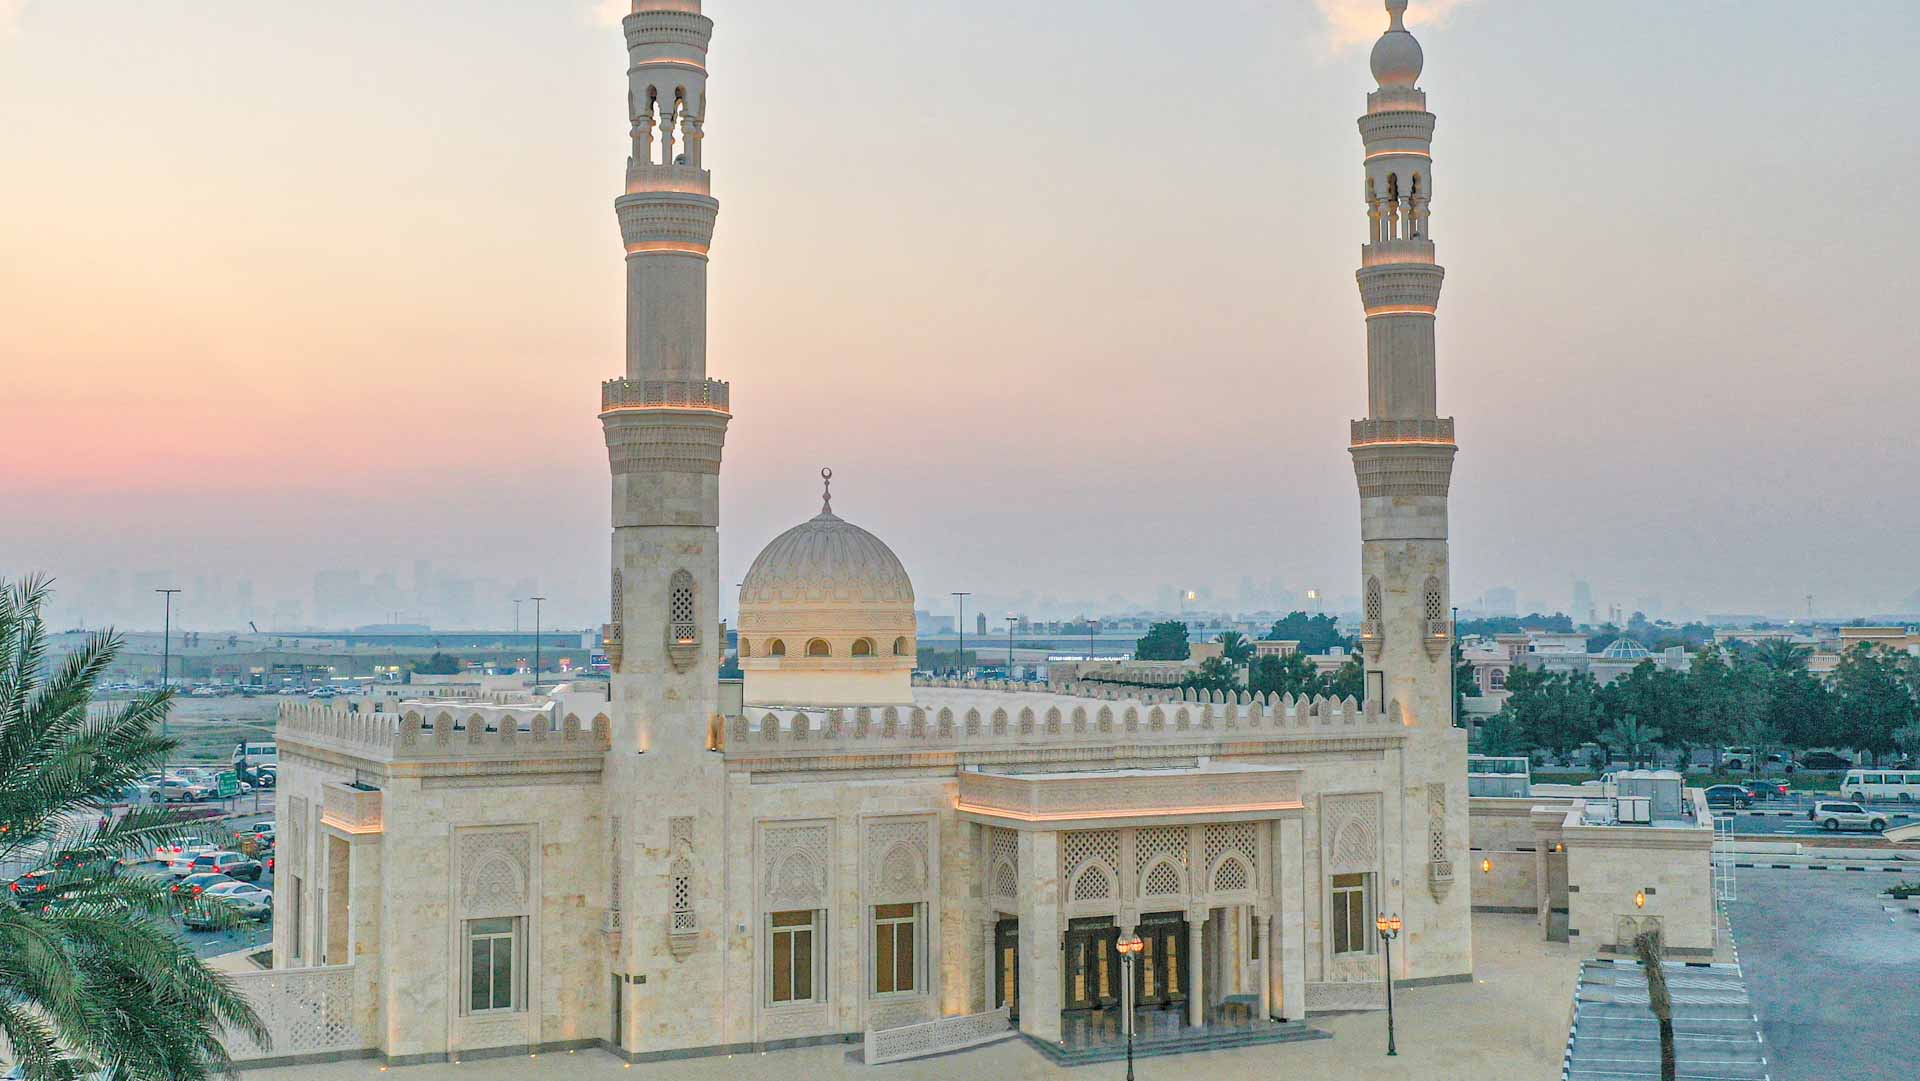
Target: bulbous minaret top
<point>1397,58</point>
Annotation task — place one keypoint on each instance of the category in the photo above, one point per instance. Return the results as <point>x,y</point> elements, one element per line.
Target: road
<point>1831,965</point>
<point>1766,817</point>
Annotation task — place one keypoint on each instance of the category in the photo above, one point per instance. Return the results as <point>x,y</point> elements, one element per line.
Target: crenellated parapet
<point>443,729</point>
<point>998,721</point>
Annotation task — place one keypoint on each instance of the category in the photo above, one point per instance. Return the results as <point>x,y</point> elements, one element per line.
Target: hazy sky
<point>1062,291</point>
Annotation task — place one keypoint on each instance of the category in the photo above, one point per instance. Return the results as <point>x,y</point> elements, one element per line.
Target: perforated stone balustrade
<point>436,730</point>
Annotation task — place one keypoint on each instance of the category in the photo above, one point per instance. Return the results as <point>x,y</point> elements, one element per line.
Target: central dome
<point>826,618</point>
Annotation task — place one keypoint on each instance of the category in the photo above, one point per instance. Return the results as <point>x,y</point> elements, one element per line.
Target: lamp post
<point>1089,624</point>
<point>166,651</point>
<point>536,642</point>
<point>517,602</point>
<point>1129,947</point>
<point>1011,620</point>
<point>1453,670</point>
<point>1389,928</point>
<point>960,660</point>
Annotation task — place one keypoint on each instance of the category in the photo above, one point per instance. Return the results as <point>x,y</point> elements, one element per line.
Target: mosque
<point>673,865</point>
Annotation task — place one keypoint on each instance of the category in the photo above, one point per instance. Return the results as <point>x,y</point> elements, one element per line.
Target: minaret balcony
<point>692,395</point>
<point>1375,431</point>
<point>1393,252</point>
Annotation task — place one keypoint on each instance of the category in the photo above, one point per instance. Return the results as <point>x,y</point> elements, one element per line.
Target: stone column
<point>990,953</point>
<point>1263,933</point>
<point>1291,949</point>
<point>1196,968</point>
<point>1540,891</point>
<point>1040,931</point>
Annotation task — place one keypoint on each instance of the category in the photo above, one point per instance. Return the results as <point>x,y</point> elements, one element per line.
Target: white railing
<point>307,1011</point>
<point>937,1037</point>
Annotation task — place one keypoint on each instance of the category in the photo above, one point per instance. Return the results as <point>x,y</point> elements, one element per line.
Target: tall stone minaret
<point>1403,459</point>
<point>665,423</point>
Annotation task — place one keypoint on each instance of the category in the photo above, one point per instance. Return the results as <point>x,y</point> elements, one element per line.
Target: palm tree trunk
<point>1647,946</point>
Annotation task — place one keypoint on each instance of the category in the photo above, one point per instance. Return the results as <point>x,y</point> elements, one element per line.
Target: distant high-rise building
<point>1502,601</point>
<point>1582,602</point>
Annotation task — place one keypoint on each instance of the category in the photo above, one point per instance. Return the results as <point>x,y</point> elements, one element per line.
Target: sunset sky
<point>1062,291</point>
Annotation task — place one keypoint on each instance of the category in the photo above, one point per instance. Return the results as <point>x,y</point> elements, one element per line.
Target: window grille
<point>1163,879</point>
<point>1092,885</point>
<point>1374,601</point>
<point>681,876</point>
<point>1230,876</point>
<point>1435,610</point>
<point>680,610</point>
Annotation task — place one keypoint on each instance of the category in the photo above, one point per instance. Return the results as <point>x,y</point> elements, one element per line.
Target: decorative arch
<point>1375,601</point>
<point>1231,875</point>
<point>776,648</point>
<point>818,647</point>
<point>863,647</point>
<point>746,649</point>
<point>1092,882</point>
<point>1006,880</point>
<point>902,871</point>
<point>680,611</point>
<point>1163,878</point>
<point>900,648</point>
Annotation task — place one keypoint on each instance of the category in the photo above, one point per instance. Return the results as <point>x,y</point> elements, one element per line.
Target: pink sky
<point>1064,298</point>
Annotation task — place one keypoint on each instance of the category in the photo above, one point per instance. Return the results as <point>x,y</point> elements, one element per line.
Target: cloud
<point>1353,24</point>
<point>605,12</point>
<point>10,13</point>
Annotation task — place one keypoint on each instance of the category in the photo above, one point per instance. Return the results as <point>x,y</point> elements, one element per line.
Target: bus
<point>256,754</point>
<point>1866,784</point>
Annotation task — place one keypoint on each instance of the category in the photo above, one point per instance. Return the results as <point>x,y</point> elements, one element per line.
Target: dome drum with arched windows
<point>826,618</point>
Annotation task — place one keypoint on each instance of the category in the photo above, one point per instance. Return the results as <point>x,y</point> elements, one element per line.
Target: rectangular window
<point>299,949</point>
<point>493,965</point>
<point>1352,924</point>
<point>795,940</point>
<point>896,929</point>
<point>1253,936</point>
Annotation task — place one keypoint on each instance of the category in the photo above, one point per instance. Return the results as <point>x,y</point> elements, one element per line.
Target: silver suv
<point>1833,815</point>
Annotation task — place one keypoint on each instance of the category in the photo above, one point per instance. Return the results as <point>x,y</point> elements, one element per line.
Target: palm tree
<point>1648,946</point>
<point>1780,656</point>
<point>1236,648</point>
<point>1628,736</point>
<point>94,978</point>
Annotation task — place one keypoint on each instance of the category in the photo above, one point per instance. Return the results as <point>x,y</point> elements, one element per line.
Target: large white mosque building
<point>674,865</point>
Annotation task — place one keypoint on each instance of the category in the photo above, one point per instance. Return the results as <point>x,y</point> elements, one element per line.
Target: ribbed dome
<point>826,560</point>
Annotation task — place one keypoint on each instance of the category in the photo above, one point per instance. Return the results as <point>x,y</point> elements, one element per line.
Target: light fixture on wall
<point>1486,867</point>
<point>1640,899</point>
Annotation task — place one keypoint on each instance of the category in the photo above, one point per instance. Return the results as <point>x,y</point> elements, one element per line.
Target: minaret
<point>665,423</point>
<point>1403,459</point>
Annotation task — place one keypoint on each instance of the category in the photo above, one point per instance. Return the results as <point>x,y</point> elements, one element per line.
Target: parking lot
<point>1832,967</point>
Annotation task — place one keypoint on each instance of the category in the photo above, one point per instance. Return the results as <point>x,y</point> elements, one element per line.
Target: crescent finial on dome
<point>826,491</point>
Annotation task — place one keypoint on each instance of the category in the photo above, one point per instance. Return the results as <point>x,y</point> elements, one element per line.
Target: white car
<point>1834,815</point>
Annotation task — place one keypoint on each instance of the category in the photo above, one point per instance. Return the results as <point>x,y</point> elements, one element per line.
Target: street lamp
<point>1011,620</point>
<point>1389,928</point>
<point>517,602</point>
<point>960,661</point>
<point>166,652</point>
<point>536,642</point>
<point>1129,947</point>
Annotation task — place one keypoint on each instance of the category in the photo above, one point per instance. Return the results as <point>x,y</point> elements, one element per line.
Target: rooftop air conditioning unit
<point>1636,809</point>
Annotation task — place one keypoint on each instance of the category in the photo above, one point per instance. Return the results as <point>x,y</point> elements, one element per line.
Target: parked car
<point>182,789</point>
<point>1767,789</point>
<point>1824,760</point>
<point>247,901</point>
<point>1729,795</point>
<point>182,865</point>
<point>231,864</point>
<point>196,884</point>
<point>1834,815</point>
<point>167,851</point>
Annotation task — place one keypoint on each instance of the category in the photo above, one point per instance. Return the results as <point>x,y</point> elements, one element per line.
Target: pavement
<point>1509,1022</point>
<point>1831,968</point>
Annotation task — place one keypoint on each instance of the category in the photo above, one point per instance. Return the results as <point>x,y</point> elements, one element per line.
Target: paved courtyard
<point>1511,1022</point>
<point>1831,972</point>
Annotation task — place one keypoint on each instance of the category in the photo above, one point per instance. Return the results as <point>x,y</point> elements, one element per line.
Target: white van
<point>1866,784</point>
<point>256,754</point>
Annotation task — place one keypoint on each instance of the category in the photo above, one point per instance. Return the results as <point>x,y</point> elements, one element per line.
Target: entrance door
<point>1160,978</point>
<point>1006,966</point>
<point>1092,964</point>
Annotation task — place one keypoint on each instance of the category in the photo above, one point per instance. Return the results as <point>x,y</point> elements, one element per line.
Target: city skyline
<point>383,281</point>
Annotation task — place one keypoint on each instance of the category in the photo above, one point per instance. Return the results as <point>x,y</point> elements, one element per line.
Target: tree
<point>1237,648</point>
<point>1648,946</point>
<point>1873,697</point>
<point>1165,641</point>
<point>1501,736</point>
<point>1907,739</point>
<point>1658,698</point>
<point>440,664</point>
<point>1632,738</point>
<point>1555,710</point>
<point>1464,684</point>
<point>93,979</point>
<point>1350,680</point>
<point>1800,709</point>
<point>1213,674</point>
<point>1316,634</point>
<point>1292,674</point>
<point>1782,657</point>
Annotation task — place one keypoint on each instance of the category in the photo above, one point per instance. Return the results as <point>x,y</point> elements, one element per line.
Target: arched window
<point>899,647</point>
<point>819,648</point>
<point>1375,602</point>
<point>1497,680</point>
<point>684,629</point>
<point>776,648</point>
<point>863,647</point>
<point>746,648</point>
